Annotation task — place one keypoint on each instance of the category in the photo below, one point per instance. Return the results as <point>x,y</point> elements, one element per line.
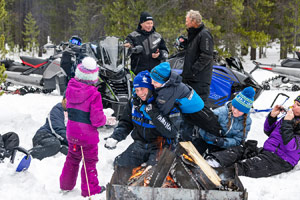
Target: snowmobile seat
<point>291,63</point>
<point>33,62</point>
<point>18,67</point>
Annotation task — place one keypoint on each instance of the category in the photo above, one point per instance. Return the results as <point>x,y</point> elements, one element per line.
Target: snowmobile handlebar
<point>258,65</point>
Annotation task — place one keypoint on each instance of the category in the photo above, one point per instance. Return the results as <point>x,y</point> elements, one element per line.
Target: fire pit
<point>179,174</point>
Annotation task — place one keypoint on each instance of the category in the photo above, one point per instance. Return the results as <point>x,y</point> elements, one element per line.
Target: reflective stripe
<point>144,124</point>
<point>79,116</point>
<point>52,130</point>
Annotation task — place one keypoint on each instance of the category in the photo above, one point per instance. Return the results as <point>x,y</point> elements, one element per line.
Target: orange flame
<point>136,172</point>
<point>187,157</point>
<point>170,183</point>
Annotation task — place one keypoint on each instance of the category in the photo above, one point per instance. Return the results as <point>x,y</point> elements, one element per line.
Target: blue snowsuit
<point>51,137</point>
<point>229,136</point>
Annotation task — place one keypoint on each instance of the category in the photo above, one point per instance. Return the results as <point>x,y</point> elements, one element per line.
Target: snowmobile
<point>115,77</point>
<point>44,74</point>
<point>288,72</point>
<point>228,77</point>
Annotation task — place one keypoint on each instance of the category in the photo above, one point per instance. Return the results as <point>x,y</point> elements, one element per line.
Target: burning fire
<point>187,158</point>
<point>169,183</point>
<point>137,172</point>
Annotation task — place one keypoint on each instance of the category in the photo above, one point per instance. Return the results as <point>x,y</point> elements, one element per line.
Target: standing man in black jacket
<point>198,61</point>
<point>150,47</point>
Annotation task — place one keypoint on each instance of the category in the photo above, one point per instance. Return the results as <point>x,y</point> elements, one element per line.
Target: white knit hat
<point>87,71</point>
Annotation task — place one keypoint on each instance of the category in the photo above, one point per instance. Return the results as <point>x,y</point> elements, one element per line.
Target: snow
<point>25,114</point>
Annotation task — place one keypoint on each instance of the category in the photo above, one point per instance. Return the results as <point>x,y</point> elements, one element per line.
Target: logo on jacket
<point>155,42</point>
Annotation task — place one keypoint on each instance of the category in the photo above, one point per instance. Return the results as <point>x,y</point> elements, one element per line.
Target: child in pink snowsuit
<point>85,115</point>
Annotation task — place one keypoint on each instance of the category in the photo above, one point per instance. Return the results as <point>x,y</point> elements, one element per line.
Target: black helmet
<point>75,40</point>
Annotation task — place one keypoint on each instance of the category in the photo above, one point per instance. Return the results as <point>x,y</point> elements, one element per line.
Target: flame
<point>187,157</point>
<point>159,142</point>
<point>137,172</point>
<point>170,183</point>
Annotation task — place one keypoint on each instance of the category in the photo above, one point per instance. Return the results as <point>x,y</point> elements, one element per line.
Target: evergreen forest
<point>238,26</point>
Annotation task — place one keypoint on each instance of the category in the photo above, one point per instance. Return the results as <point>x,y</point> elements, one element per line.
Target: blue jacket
<point>234,135</point>
<point>55,123</point>
<point>145,129</point>
<point>283,140</point>
<point>175,92</point>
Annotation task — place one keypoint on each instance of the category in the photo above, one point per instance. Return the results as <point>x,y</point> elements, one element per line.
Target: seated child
<point>235,121</point>
<point>171,91</point>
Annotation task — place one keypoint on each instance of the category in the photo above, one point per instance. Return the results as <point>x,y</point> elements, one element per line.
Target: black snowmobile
<point>115,78</point>
<point>288,72</point>
<point>228,78</point>
<point>45,74</point>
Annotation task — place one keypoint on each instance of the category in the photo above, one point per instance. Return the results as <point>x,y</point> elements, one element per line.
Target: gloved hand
<point>137,102</point>
<point>110,143</point>
<point>251,149</point>
<point>110,120</point>
<point>143,110</point>
<point>4,153</point>
<point>219,141</point>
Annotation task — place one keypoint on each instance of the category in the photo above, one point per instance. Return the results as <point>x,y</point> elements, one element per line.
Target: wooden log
<point>162,168</point>
<point>208,172</point>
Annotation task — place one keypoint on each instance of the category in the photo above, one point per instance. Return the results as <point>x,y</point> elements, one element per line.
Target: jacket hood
<point>78,92</point>
<point>175,79</point>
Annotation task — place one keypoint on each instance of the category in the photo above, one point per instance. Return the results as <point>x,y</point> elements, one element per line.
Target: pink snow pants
<point>70,171</point>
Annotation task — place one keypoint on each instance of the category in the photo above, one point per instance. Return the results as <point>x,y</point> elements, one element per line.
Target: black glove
<point>137,102</point>
<point>219,141</point>
<point>251,149</point>
<point>4,153</point>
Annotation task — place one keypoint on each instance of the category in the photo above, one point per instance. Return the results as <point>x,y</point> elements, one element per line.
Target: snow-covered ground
<point>25,114</point>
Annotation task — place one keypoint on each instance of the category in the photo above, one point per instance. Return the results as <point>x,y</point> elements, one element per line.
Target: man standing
<point>198,61</point>
<point>150,47</point>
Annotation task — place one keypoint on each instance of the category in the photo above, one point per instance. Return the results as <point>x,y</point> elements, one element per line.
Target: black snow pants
<point>204,119</point>
<point>8,142</point>
<point>45,145</point>
<point>136,154</point>
<point>264,164</point>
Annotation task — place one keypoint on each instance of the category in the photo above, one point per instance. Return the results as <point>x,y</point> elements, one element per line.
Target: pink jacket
<point>85,113</point>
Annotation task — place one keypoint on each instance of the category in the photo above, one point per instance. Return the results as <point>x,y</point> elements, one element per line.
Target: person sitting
<point>51,137</point>
<point>149,129</point>
<point>235,121</point>
<point>8,142</point>
<point>280,152</point>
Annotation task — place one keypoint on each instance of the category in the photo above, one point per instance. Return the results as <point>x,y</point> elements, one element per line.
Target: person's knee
<point>47,148</point>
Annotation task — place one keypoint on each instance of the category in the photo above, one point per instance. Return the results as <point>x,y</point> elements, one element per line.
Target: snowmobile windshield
<point>112,53</point>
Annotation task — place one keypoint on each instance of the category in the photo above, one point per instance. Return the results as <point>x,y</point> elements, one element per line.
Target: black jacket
<point>198,59</point>
<point>172,90</point>
<point>144,130</point>
<point>151,42</point>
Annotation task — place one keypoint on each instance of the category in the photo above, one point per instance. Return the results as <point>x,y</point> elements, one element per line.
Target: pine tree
<point>255,22</point>
<point>122,16</point>
<point>31,33</point>
<point>86,18</point>
<point>3,14</point>
<point>229,21</point>
<point>2,76</point>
